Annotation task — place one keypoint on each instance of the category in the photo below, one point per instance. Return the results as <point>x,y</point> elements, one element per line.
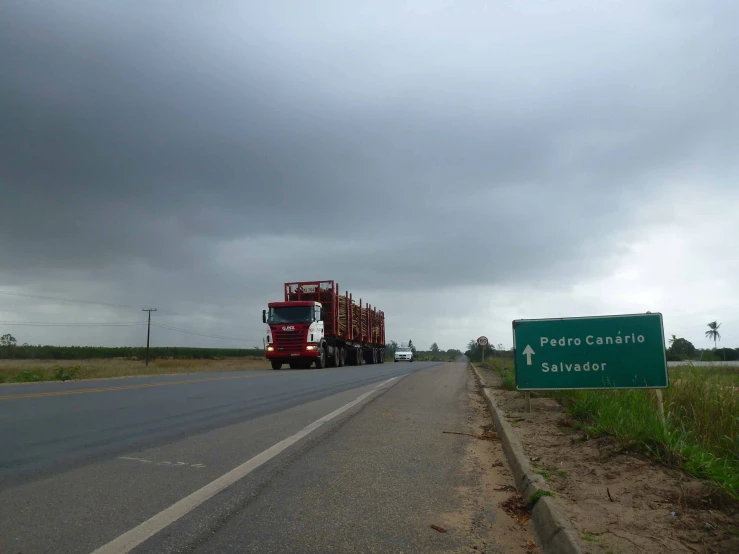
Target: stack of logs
<point>366,317</point>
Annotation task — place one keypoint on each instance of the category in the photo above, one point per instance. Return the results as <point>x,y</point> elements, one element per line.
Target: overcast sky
<point>457,164</point>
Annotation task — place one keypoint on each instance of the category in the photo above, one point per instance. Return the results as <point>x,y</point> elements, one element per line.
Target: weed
<point>544,474</point>
<point>701,433</point>
<point>28,376</point>
<point>590,538</point>
<point>507,379</point>
<point>561,474</point>
<point>65,373</point>
<point>534,498</point>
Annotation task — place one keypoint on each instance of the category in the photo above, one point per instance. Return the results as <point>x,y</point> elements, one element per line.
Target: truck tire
<point>276,365</point>
<point>342,357</point>
<point>321,360</point>
<point>335,357</point>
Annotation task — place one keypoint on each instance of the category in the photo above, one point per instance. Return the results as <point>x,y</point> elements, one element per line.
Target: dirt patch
<point>618,502</point>
<point>490,528</point>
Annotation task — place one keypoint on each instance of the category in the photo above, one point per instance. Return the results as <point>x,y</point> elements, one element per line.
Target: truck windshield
<point>292,314</point>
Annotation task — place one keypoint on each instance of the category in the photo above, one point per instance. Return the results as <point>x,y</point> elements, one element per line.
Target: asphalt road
<point>337,460</point>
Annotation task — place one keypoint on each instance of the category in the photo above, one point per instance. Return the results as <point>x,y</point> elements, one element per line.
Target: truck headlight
<point>310,347</point>
<point>270,349</point>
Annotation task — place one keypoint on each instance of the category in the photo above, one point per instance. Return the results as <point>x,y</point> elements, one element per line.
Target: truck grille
<point>288,340</point>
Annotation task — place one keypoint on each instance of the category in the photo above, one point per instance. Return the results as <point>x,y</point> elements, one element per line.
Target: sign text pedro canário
<point>621,351</point>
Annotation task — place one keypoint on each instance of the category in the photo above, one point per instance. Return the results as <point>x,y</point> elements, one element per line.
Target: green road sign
<point>607,352</point>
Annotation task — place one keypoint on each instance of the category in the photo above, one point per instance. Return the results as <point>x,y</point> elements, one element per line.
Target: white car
<point>403,354</point>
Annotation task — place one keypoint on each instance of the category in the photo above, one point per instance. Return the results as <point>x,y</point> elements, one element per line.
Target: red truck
<point>318,325</point>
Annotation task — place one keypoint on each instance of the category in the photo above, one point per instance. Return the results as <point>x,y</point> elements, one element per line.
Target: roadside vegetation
<point>33,371</point>
<point>701,430</point>
<point>12,351</point>
<point>433,354</point>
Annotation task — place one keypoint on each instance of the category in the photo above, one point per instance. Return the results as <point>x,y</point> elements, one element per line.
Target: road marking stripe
<point>122,387</point>
<point>131,539</point>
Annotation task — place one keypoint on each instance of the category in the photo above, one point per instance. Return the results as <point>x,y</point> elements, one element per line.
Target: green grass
<point>538,495</point>
<point>701,432</point>
<point>504,368</point>
<point>561,474</point>
<point>33,371</point>
<point>544,474</point>
<point>590,538</point>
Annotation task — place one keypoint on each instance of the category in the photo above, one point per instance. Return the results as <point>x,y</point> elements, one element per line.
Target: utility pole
<point>148,331</point>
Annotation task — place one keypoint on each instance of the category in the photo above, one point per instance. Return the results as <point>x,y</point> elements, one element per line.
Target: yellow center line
<point>123,387</point>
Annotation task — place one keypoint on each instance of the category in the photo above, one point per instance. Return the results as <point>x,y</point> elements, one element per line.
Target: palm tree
<point>673,339</point>
<point>712,333</point>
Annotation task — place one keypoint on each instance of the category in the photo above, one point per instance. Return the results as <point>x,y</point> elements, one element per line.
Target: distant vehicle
<point>403,354</point>
<point>318,325</point>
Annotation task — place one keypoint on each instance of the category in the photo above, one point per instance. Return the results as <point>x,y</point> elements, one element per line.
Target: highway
<point>346,459</point>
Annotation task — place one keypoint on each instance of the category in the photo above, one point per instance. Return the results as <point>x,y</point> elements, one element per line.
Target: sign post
<point>605,352</point>
<point>483,342</point>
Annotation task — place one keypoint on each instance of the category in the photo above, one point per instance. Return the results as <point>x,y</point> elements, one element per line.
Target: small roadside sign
<point>604,352</point>
<point>482,341</point>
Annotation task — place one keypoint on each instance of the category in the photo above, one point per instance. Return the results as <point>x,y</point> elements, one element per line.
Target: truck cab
<point>295,334</point>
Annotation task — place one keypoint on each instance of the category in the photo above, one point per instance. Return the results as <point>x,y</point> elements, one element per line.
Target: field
<point>701,431</point>
<point>28,371</point>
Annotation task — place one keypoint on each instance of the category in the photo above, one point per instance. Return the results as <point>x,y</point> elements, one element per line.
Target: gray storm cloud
<point>392,145</point>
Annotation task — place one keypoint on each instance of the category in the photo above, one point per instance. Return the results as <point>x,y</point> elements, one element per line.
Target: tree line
<point>10,350</point>
<point>433,354</point>
<point>474,351</point>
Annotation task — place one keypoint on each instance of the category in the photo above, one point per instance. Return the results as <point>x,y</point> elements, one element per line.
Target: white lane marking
<point>131,539</point>
<point>163,463</point>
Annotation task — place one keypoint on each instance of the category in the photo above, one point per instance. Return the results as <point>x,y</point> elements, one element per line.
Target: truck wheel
<point>342,357</point>
<point>321,360</point>
<point>335,357</point>
<point>276,365</point>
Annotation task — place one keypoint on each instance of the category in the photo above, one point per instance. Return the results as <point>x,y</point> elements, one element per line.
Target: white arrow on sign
<point>528,351</point>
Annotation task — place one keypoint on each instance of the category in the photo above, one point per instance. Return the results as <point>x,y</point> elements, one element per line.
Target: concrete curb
<point>554,531</point>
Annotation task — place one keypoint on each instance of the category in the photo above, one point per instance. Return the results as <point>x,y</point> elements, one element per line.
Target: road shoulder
<point>381,480</point>
<point>614,501</point>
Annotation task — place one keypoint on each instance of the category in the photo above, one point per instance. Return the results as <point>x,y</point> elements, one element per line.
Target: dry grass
<point>14,371</point>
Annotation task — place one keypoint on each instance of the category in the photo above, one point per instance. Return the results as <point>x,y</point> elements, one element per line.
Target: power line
<point>206,320</point>
<point>49,324</point>
<point>70,300</point>
<point>122,306</point>
<point>242,339</point>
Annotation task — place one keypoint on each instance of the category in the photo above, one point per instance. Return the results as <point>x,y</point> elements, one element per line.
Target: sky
<point>458,165</point>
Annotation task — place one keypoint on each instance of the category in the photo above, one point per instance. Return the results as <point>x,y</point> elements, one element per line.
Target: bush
<point>65,373</point>
<point>29,376</point>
